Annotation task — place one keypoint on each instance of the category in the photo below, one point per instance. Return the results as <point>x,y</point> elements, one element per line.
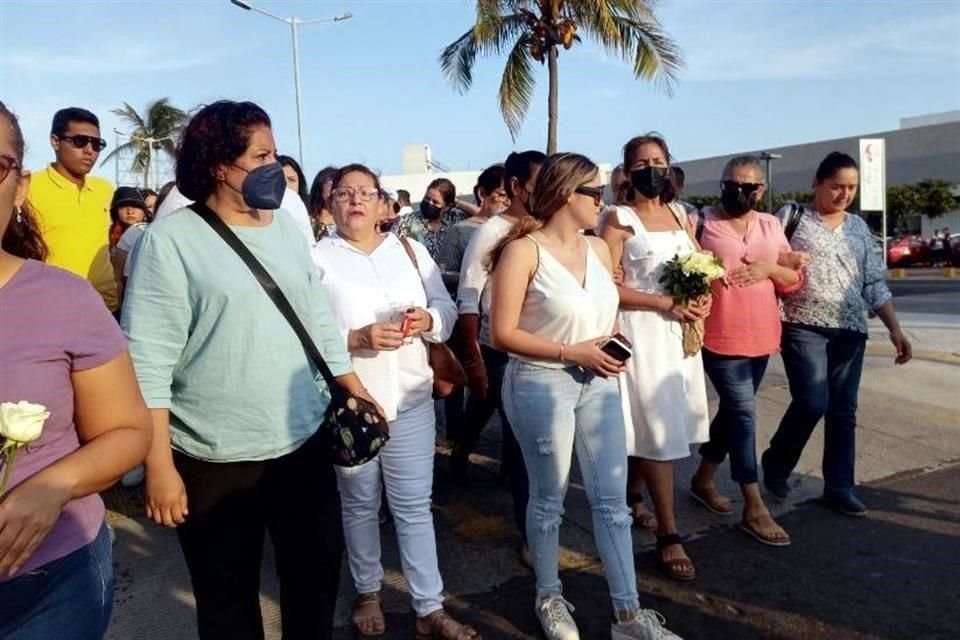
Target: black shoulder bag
<point>353,431</point>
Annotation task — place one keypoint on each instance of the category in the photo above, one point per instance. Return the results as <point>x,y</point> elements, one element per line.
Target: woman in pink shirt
<point>743,329</point>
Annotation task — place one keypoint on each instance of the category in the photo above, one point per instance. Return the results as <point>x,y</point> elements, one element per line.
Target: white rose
<point>22,422</point>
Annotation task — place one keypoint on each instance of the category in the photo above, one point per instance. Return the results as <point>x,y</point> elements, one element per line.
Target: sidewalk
<point>933,336</point>
<point>910,422</point>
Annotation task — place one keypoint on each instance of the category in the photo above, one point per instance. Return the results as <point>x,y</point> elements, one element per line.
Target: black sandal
<point>681,569</point>
<point>645,520</point>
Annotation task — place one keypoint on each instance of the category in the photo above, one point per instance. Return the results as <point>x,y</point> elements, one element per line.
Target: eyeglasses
<point>80,142</point>
<point>594,192</point>
<point>747,187</point>
<point>7,164</point>
<point>366,194</point>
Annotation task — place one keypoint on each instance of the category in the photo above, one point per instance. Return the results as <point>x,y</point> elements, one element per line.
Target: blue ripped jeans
<point>552,412</point>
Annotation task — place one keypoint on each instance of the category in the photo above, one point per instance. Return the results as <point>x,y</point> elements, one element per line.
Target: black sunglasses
<point>594,192</point>
<point>80,142</point>
<point>7,164</point>
<point>747,187</point>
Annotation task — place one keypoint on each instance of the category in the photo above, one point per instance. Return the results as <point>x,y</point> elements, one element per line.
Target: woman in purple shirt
<point>59,348</point>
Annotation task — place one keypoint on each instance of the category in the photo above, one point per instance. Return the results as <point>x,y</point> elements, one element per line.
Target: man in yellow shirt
<point>73,208</point>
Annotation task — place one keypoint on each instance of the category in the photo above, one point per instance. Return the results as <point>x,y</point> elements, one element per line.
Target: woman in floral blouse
<point>825,334</point>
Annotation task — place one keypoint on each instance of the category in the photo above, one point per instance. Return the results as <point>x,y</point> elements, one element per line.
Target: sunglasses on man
<point>81,142</point>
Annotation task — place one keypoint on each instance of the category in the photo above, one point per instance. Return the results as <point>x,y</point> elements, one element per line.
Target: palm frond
<point>517,84</point>
<point>130,114</point>
<point>490,35</point>
<point>456,61</point>
<point>125,148</point>
<point>655,54</point>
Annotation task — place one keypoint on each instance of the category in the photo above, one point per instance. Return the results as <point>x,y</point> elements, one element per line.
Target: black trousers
<point>478,413</point>
<point>232,505</point>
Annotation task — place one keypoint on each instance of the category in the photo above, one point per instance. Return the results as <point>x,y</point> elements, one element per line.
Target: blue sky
<point>759,74</point>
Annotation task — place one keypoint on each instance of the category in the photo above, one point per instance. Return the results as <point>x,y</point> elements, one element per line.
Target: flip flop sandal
<point>645,520</point>
<point>443,627</point>
<point>376,619</point>
<point>704,500</point>
<point>681,569</point>
<point>759,537</point>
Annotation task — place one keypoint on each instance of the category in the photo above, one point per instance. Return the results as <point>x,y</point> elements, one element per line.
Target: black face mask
<point>735,202</point>
<point>649,181</point>
<point>430,211</point>
<point>263,187</point>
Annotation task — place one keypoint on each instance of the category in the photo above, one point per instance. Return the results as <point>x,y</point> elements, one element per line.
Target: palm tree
<point>534,30</point>
<point>155,132</point>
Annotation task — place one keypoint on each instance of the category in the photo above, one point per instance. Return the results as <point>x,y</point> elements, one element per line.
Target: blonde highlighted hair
<point>559,177</point>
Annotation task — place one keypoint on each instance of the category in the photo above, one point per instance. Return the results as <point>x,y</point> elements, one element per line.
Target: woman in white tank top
<point>554,304</point>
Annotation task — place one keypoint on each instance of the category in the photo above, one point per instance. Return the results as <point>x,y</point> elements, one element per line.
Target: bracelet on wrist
<point>563,352</point>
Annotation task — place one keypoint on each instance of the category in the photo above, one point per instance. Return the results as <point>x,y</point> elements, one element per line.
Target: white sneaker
<point>555,619</point>
<point>647,625</point>
<point>133,477</point>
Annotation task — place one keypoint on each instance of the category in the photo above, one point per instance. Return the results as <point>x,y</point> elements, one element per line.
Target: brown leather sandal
<point>368,620</point>
<point>678,568</point>
<point>442,627</point>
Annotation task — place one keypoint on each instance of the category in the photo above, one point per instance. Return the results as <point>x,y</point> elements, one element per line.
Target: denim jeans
<point>68,599</point>
<point>479,411</point>
<point>553,412</point>
<point>823,367</point>
<point>405,467</point>
<point>734,428</point>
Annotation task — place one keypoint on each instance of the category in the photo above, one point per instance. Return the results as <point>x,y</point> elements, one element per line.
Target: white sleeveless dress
<point>664,394</point>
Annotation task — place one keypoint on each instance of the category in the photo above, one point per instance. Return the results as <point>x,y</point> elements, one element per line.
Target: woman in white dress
<point>663,393</point>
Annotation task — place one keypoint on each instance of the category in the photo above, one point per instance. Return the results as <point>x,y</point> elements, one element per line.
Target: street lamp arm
<point>247,6</point>
<point>339,18</point>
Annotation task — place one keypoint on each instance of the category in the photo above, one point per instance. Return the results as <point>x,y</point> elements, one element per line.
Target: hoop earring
<point>19,213</point>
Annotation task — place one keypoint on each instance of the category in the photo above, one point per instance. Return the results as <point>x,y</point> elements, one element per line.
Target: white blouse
<point>559,308</point>
<point>362,288</point>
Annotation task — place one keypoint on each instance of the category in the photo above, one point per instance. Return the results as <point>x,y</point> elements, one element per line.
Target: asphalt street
<point>892,575</point>
<point>927,295</point>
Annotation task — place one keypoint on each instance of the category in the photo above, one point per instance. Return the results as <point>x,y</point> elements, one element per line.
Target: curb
<point>928,355</point>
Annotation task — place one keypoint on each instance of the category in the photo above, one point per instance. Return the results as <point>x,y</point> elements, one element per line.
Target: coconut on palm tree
<point>535,31</point>
<point>156,131</point>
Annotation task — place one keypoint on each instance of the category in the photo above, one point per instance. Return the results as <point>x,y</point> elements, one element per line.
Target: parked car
<point>907,251</point>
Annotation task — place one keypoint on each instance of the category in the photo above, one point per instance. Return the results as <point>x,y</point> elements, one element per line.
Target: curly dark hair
<point>218,134</point>
<point>22,237</point>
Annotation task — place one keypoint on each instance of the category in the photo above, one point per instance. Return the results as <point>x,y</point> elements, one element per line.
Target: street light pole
<point>294,23</point>
<point>768,157</point>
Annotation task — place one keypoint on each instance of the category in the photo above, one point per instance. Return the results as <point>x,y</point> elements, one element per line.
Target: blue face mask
<point>263,188</point>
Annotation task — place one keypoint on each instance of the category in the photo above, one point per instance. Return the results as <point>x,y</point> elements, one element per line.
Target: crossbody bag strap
<point>270,287</point>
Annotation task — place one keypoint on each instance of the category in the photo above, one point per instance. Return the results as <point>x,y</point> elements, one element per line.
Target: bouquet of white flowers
<point>688,278</point>
<point>20,424</point>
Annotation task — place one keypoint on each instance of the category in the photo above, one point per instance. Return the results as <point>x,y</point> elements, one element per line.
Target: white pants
<point>406,465</point>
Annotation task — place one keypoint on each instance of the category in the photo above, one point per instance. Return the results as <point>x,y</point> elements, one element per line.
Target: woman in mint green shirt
<point>234,398</point>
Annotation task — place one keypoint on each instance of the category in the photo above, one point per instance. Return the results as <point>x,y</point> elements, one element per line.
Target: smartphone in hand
<point>617,347</point>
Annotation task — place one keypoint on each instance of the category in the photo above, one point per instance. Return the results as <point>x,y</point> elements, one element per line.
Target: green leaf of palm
<point>625,28</point>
